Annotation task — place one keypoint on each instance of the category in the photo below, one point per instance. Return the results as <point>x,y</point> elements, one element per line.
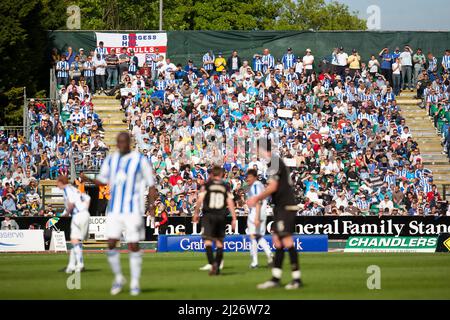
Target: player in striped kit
<point>76,205</point>
<point>127,173</point>
<point>256,222</point>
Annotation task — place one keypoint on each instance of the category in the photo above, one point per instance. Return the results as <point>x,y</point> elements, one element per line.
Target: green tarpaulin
<point>193,44</point>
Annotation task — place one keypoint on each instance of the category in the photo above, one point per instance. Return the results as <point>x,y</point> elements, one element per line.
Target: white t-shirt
<point>100,67</point>
<point>342,59</point>
<point>405,58</point>
<point>396,70</point>
<point>373,67</point>
<point>299,67</point>
<point>308,62</point>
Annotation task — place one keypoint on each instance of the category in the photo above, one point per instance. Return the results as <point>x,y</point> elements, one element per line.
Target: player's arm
<point>68,211</point>
<point>200,199</point>
<point>272,186</point>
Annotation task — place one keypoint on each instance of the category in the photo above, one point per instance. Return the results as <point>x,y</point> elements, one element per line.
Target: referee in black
<point>279,187</point>
<point>215,196</point>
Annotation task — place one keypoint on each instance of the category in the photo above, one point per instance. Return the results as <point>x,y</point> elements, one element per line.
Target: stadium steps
<point>109,111</point>
<point>425,134</point>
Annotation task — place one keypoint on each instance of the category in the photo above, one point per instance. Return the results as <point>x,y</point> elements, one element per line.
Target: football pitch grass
<point>176,276</point>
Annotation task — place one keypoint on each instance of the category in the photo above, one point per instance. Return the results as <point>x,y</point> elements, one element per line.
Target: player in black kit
<point>279,187</point>
<point>215,197</point>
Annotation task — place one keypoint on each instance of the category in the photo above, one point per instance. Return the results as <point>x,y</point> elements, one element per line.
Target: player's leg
<point>288,243</point>
<point>75,236</point>
<point>135,267</point>
<point>82,221</point>
<point>113,233</point>
<point>218,225</point>
<point>207,236</point>
<point>277,265</point>
<point>133,234</point>
<point>293,256</point>
<point>264,244</point>
<point>215,270</point>
<point>254,250</point>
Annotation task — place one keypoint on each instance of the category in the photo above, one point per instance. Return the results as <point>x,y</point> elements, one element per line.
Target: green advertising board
<point>391,244</point>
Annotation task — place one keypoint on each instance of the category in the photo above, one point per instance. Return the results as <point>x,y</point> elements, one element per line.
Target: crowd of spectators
<point>336,123</point>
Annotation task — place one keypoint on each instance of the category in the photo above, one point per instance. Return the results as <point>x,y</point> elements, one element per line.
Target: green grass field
<point>176,276</point>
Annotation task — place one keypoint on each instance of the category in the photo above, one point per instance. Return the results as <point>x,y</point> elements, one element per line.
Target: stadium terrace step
<point>425,134</point>
<point>108,107</point>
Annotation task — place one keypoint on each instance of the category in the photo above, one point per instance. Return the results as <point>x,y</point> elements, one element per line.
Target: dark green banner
<point>183,45</point>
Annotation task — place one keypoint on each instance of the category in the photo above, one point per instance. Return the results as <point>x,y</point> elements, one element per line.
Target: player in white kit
<point>128,174</point>
<point>77,205</point>
<point>256,222</point>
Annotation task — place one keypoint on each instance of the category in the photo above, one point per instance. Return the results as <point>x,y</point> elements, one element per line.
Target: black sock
<point>219,256</point>
<point>277,263</point>
<point>209,254</point>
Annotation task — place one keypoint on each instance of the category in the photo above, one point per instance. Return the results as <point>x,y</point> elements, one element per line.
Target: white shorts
<point>131,224</point>
<point>251,228</point>
<point>79,226</point>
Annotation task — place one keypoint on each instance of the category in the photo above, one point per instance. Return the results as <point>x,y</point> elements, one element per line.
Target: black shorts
<point>283,222</point>
<point>213,226</point>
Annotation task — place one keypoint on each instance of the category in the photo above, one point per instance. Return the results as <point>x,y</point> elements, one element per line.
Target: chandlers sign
<point>143,44</point>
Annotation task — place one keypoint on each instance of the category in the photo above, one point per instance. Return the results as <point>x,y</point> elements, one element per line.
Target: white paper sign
<point>58,242</point>
<point>282,113</point>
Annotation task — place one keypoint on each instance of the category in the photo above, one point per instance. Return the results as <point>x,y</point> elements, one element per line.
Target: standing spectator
<point>446,61</point>
<point>83,57</point>
<point>9,224</point>
<point>386,64</point>
<point>76,67</point>
<point>208,61</point>
<point>308,62</point>
<point>341,60</point>
<point>406,63</point>
<point>133,64</point>
<point>234,62</point>
<point>152,61</point>
<point>354,62</point>
<point>88,73</point>
<point>100,50</point>
<point>124,60</point>
<point>373,66</point>
<point>100,72</point>
<point>396,78</point>
<point>62,71</point>
<point>70,55</point>
<point>220,63</point>
<point>268,61</point>
<point>432,64</point>
<point>111,67</point>
<point>419,61</point>
<point>288,59</point>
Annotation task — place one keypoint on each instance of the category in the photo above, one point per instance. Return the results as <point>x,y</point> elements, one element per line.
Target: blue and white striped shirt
<point>88,69</point>
<point>288,60</point>
<point>255,189</point>
<point>102,51</point>
<point>73,196</point>
<point>63,69</point>
<point>127,176</point>
<point>446,62</point>
<point>208,57</point>
<point>268,62</point>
